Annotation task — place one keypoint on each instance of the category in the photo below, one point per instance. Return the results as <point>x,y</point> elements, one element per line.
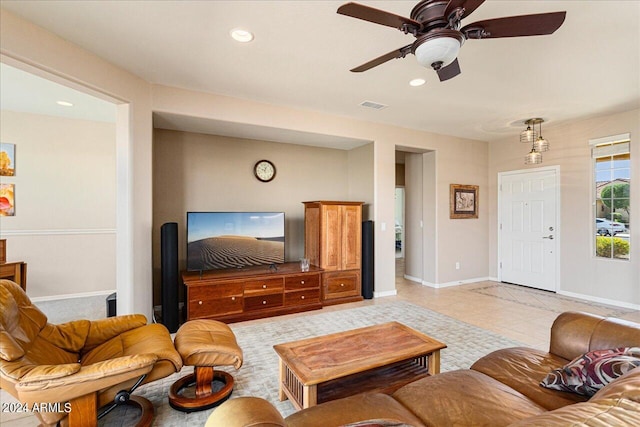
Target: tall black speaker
<point>169,265</point>
<point>367,259</point>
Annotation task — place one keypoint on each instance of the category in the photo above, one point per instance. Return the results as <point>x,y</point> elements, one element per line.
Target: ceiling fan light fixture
<point>438,49</point>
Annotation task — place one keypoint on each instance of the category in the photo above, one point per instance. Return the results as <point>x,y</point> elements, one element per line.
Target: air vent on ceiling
<point>374,105</point>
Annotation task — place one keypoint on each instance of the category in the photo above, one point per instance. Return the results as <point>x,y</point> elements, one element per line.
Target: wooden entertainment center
<point>333,245</point>
<point>236,294</point>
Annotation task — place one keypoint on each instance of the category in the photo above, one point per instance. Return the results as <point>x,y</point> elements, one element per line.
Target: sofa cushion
<point>627,386</point>
<point>377,423</point>
<point>593,370</point>
<point>522,369</point>
<point>465,398</point>
<point>601,413</point>
<point>366,406</point>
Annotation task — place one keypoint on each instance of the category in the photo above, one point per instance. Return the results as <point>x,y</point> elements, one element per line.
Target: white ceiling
<point>303,51</point>
<point>28,93</point>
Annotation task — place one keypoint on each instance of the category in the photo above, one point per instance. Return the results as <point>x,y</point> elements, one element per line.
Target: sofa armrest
<point>246,412</point>
<point>48,383</point>
<point>571,334</point>
<point>104,329</point>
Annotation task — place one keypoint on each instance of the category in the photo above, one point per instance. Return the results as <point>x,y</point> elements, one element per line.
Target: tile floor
<point>515,312</point>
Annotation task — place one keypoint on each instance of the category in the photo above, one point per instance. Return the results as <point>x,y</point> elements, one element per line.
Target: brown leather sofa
<point>79,366</point>
<point>500,389</point>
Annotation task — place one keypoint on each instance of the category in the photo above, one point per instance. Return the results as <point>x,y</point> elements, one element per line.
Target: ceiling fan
<point>439,35</point>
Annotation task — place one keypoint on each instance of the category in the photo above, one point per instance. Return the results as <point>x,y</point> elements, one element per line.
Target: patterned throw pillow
<point>592,371</point>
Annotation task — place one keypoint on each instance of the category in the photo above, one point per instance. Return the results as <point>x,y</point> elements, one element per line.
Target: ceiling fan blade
<point>450,71</point>
<point>399,53</point>
<point>468,5</point>
<point>515,26</point>
<point>378,16</point>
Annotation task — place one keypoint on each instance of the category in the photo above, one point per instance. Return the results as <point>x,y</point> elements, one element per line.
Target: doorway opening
<point>415,214</point>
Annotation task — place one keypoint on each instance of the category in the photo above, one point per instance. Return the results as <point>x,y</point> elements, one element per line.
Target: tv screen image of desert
<point>234,240</point>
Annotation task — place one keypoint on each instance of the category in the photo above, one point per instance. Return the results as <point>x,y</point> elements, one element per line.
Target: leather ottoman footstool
<point>204,344</point>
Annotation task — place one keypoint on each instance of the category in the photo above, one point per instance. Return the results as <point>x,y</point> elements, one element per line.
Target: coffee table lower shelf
<point>386,379</point>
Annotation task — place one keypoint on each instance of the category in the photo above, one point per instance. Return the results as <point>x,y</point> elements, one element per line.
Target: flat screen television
<point>234,239</point>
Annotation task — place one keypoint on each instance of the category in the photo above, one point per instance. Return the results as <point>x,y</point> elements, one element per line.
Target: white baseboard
<point>413,279</point>
<point>68,296</point>
<point>600,300</point>
<point>454,283</point>
<point>385,294</point>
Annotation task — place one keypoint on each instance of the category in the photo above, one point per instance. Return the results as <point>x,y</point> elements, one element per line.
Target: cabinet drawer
<point>213,291</point>
<point>214,307</point>
<point>266,286</point>
<point>306,296</point>
<point>342,285</point>
<point>302,281</point>
<point>262,301</point>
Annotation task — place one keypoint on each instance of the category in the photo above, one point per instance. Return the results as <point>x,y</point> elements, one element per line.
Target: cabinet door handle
<point>302,297</point>
<point>264,302</point>
<point>342,284</point>
<point>302,282</point>
<point>233,298</point>
<point>199,302</point>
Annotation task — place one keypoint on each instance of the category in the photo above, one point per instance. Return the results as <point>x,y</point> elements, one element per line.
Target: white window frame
<point>595,153</point>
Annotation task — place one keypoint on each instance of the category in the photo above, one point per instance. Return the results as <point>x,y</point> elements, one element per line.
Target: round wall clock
<point>264,170</point>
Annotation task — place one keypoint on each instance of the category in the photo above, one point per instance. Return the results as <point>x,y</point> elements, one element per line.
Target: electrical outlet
<point>457,265</point>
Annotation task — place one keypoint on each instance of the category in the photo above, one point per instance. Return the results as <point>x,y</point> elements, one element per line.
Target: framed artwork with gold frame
<point>463,201</point>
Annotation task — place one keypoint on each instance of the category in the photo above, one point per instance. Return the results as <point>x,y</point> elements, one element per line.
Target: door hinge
<point>500,264</point>
<point>500,226</point>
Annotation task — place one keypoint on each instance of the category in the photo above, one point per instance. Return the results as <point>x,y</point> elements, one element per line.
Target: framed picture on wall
<point>7,201</point>
<point>463,201</point>
<point>7,159</point>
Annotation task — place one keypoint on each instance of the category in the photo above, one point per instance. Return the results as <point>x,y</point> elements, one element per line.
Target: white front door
<point>528,227</point>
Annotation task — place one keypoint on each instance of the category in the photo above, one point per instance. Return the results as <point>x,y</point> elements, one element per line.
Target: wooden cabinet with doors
<point>333,242</point>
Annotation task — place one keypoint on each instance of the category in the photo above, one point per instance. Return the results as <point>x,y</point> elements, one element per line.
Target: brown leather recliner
<point>82,365</point>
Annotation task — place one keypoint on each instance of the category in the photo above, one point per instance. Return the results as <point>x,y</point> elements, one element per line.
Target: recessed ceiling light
<point>64,103</point>
<point>417,82</point>
<point>243,36</point>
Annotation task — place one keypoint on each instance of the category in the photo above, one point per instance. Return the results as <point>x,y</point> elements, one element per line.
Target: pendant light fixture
<point>533,158</point>
<point>529,135</point>
<point>541,144</point>
<point>537,141</point>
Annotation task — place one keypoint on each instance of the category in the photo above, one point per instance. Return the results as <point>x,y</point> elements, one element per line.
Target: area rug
<point>258,376</point>
<point>549,301</point>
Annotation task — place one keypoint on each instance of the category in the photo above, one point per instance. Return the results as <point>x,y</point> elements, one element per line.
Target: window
<point>612,183</point>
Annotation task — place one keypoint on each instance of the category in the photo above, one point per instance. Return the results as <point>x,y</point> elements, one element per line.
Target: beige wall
<point>581,273</point>
<point>65,220</point>
<point>459,160</point>
<point>414,216</point>
<point>31,48</point>
<point>469,159</point>
<point>360,170</point>
<point>196,172</point>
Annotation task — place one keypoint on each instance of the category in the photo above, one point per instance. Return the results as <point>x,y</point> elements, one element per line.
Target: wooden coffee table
<point>376,358</point>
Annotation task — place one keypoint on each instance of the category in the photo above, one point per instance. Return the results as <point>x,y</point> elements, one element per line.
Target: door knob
<point>550,236</point>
